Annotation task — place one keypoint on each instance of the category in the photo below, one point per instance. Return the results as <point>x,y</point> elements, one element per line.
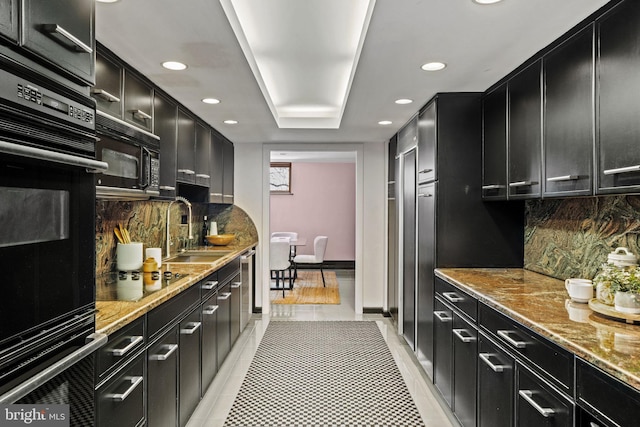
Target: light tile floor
<point>215,405</point>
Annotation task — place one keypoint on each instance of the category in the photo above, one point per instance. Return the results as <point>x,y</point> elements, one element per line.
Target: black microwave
<point>133,156</point>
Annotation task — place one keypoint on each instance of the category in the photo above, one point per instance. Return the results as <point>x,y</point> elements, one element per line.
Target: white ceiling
<point>479,44</point>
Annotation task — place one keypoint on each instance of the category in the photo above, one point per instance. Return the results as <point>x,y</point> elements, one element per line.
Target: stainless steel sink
<point>197,257</point>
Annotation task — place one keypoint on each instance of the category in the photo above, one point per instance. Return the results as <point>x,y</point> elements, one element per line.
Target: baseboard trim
<point>330,265</point>
<point>372,310</point>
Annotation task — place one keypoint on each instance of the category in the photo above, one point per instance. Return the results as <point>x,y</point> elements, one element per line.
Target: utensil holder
<point>129,256</point>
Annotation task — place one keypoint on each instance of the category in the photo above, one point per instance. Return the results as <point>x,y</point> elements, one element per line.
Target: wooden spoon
<point>118,235</point>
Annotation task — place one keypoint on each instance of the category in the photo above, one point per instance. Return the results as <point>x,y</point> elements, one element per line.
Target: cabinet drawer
<point>209,285</point>
<point>457,298</point>
<point>496,373</point>
<point>538,403</point>
<point>554,362</point>
<point>606,397</point>
<point>172,310</point>
<point>121,345</point>
<point>120,401</point>
<point>227,272</point>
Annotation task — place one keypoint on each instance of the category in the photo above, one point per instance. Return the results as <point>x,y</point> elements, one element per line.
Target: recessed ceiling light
<point>173,65</point>
<point>433,66</point>
<point>403,101</point>
<point>486,1</point>
<point>385,122</point>
<point>231,122</point>
<point>107,1</point>
<point>211,101</point>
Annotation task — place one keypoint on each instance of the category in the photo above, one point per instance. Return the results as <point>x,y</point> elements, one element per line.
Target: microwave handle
<point>145,168</point>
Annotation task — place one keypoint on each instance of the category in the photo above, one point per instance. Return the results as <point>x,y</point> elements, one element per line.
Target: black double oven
<point>47,243</point>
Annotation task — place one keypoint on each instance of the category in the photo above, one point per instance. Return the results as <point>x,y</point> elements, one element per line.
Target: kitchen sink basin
<point>198,257</point>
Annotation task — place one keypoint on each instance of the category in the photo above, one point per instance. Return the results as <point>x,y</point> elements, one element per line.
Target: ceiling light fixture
<point>211,101</point>
<point>433,66</point>
<point>486,1</point>
<point>231,122</point>
<point>403,101</point>
<point>107,1</point>
<point>174,65</point>
<point>385,122</point>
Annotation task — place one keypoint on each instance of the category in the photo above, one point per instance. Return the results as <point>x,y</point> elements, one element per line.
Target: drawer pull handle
<point>79,45</point>
<point>452,296</point>
<point>516,344</point>
<point>101,93</point>
<point>592,424</point>
<point>627,169</point>
<point>463,338</point>
<point>191,330</point>
<point>442,316</point>
<point>187,171</point>
<point>522,184</point>
<point>167,188</point>
<point>135,340</point>
<point>164,356</point>
<point>224,295</point>
<point>236,285</point>
<point>563,178</point>
<point>120,397</point>
<point>140,115</point>
<point>425,195</point>
<point>210,309</point>
<point>203,175</point>
<point>493,187</point>
<point>485,358</point>
<point>208,285</point>
<point>528,396</point>
<point>426,170</point>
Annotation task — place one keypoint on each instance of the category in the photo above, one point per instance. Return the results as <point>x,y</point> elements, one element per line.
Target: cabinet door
<point>108,89</point>
<point>465,354</point>
<point>618,110</point>
<point>426,264</point>
<point>538,404</point>
<point>203,154</point>
<point>186,148</point>
<point>236,307</point>
<point>427,143</point>
<point>120,400</point>
<point>162,380</point>
<point>224,324</point>
<point>9,19</point>
<point>409,248</point>
<point>494,145</point>
<point>568,117</point>
<point>525,110</point>
<point>209,340</point>
<point>227,181</point>
<point>408,135</point>
<point>190,330</point>
<point>166,127</point>
<point>217,168</point>
<point>443,355</point>
<point>138,100</point>
<point>63,33</point>
<point>496,371</point>
<point>392,233</point>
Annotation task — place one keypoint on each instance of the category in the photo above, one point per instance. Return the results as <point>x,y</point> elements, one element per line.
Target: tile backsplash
<point>572,237</point>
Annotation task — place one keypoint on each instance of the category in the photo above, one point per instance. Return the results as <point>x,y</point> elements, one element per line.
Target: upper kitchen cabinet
<point>186,147</point>
<point>618,109</point>
<point>165,126</point>
<point>568,117</point>
<point>427,147</point>
<point>525,133</point>
<point>62,32</point>
<point>216,165</point>
<point>108,89</point>
<point>203,154</point>
<point>227,181</point>
<point>408,136</point>
<point>9,20</point>
<point>138,101</point>
<point>494,145</point>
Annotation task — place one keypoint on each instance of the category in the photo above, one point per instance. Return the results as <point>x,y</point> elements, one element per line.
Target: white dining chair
<point>290,234</point>
<point>279,262</point>
<point>319,248</point>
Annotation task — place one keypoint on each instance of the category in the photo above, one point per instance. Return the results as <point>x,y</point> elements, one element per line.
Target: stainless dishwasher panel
<point>246,289</point>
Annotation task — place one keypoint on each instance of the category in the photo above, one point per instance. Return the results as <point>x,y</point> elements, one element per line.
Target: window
<point>280,178</point>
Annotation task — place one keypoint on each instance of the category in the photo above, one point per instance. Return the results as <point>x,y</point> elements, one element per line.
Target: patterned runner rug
<point>331,373</point>
<point>308,289</point>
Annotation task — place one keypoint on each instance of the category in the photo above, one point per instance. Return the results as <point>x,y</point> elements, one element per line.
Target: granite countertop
<point>542,304</point>
<point>113,315</point>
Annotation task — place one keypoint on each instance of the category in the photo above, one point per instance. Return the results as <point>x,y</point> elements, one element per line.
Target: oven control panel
<point>73,110</point>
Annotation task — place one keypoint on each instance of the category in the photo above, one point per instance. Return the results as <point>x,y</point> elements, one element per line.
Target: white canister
<point>129,256</point>
<point>622,257</point>
<point>155,253</point>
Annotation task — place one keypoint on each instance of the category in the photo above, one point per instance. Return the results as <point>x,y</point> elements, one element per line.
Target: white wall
<point>250,181</point>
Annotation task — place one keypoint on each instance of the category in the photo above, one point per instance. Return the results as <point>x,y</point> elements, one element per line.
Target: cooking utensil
<point>118,235</point>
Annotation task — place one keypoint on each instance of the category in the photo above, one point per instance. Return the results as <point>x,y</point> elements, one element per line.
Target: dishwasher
<point>247,265</point>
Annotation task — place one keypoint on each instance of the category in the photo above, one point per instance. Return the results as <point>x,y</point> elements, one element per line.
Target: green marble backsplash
<point>572,237</point>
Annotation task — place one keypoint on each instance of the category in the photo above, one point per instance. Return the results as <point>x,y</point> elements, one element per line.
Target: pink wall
<point>323,203</point>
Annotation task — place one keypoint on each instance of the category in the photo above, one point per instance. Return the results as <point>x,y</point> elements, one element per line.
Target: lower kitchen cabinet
<point>465,353</point>
<point>442,359</point>
<point>224,323</point>
<point>538,403</point>
<point>190,330</point>
<point>162,380</point>
<point>496,376</point>
<point>209,340</point>
<point>236,307</point>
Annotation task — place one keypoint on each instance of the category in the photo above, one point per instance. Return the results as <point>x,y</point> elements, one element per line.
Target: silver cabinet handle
<point>522,184</point>
<point>167,188</point>
<point>592,424</point>
<point>209,310</point>
<point>452,296</point>
<point>140,115</point>
<point>215,194</point>
<point>528,396</point>
<point>236,285</point>
<point>135,340</point>
<point>426,170</point>
<point>203,175</point>
<point>626,169</point>
<point>187,171</point>
<point>563,178</point>
<point>79,44</point>
<point>190,331</point>
<point>171,348</point>
<point>442,316</point>
<point>464,338</point>
<point>425,195</point>
<point>517,344</point>
<point>92,166</point>
<point>120,397</point>
<point>101,93</point>
<point>209,285</point>
<point>493,187</point>
<point>485,358</point>
<point>247,256</point>
<point>225,295</point>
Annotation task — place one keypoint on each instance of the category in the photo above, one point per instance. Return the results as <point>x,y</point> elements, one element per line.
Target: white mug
<point>580,290</point>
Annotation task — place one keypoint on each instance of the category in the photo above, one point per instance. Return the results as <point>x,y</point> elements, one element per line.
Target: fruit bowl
<point>220,239</point>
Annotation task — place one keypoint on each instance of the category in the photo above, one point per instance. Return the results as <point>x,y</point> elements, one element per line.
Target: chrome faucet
<point>186,202</point>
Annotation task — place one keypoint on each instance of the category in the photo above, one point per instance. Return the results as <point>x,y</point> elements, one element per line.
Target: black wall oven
<point>47,246</point>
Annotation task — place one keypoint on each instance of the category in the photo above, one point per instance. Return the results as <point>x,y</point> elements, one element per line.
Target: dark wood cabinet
<point>216,164</point>
<point>203,154</point>
<point>443,350</point>
<point>427,147</point>
<point>209,339</point>
<point>236,308</point>
<point>138,101</point>
<point>62,32</point>
<point>223,332</point>
<point>427,196</point>
<point>190,332</point>
<point>166,127</point>
<point>408,250</point>
<point>392,230</point>
<point>186,147</point>
<point>228,171</point>
<point>496,384</point>
<point>618,61</point>
<point>538,404</point>
<point>525,133</point>
<point>9,19</point>
<point>494,145</point>
<point>465,353</point>
<point>408,135</point>
<point>162,380</point>
<point>120,399</point>
<point>109,84</point>
<point>569,117</point>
